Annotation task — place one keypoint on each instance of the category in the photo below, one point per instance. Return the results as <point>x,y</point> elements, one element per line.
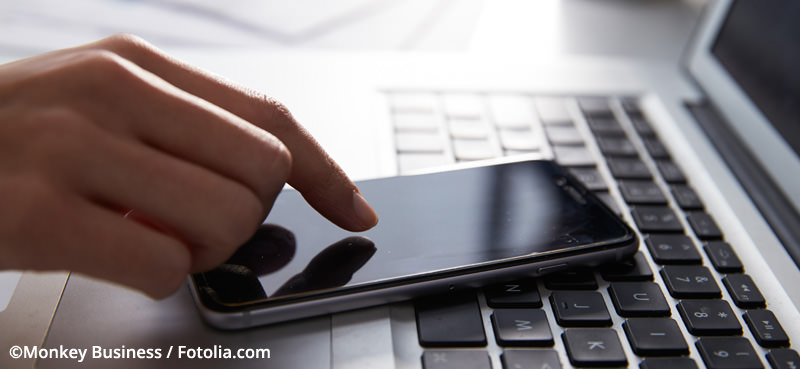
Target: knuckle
<point>276,108</point>
<point>128,44</point>
<point>123,39</point>
<point>105,66</point>
<point>269,167</point>
<point>275,167</point>
<point>278,117</point>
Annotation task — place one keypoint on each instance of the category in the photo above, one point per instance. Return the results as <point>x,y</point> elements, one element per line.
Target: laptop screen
<point>759,45</point>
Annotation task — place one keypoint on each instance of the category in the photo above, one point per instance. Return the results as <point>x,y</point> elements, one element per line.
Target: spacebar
<point>450,321</point>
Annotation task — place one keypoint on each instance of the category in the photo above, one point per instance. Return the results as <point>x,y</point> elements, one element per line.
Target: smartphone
<point>438,233</point>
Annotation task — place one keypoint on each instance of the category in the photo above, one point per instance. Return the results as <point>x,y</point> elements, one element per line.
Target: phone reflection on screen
<point>273,247</point>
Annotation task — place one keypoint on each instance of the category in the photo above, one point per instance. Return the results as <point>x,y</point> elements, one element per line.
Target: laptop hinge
<point>773,204</point>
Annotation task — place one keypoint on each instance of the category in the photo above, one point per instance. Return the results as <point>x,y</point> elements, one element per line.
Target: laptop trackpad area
<point>123,329</point>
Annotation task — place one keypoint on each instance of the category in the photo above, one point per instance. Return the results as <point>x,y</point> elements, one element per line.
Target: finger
<point>77,235</point>
<point>210,213</point>
<point>141,105</point>
<point>321,181</point>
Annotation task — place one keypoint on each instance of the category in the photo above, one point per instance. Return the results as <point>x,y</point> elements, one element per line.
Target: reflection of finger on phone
<point>230,283</point>
<point>332,267</point>
<point>270,249</point>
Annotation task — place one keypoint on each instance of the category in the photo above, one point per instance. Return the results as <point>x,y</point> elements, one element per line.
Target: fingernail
<point>366,215</point>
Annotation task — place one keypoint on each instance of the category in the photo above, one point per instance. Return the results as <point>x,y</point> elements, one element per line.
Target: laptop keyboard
<point>684,300</point>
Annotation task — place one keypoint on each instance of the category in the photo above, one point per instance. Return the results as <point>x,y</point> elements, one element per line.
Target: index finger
<point>318,178</point>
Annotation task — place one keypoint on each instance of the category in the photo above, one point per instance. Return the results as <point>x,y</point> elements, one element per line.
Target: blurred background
<point>652,28</point>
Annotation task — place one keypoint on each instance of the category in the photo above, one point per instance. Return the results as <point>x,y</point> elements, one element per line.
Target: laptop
<point>700,159</point>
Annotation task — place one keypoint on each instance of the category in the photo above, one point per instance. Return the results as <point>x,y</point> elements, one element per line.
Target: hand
<point>117,127</point>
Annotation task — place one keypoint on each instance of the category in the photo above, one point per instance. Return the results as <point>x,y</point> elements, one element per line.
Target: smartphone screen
<point>431,226</point>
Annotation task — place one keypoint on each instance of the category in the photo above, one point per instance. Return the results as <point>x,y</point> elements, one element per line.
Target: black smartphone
<point>437,233</point>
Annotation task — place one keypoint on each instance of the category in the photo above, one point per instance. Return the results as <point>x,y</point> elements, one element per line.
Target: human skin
<point>122,163</point>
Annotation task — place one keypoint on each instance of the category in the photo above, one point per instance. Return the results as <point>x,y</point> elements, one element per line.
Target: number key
<point>690,281</point>
<point>656,219</point>
<point>673,249</point>
<point>728,353</point>
<point>709,318</point>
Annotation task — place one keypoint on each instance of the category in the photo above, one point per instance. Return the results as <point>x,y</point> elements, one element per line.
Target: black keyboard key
<point>670,171</point>
<point>656,219</point>
<point>521,327</point>
<point>783,359</point>
<point>595,106</point>
<point>578,279</point>
<point>728,353</point>
<point>530,359</point>
<point>609,201</point>
<point>672,249</point>
<point>703,225</point>
<point>655,148</point>
<point>596,347</point>
<point>723,257</point>
<point>690,282</point>
<point>668,363</point>
<point>709,318</point>
<point>516,294</point>
<point>628,168</point>
<point>580,309</point>
<point>631,105</point>
<point>638,299</point>
<point>641,192</point>
<point>686,197</point>
<point>589,178</point>
<point>453,321</point>
<point>641,125</point>
<point>456,359</point>
<point>616,146</point>
<point>605,125</point>
<point>766,328</point>
<point>744,291</point>
<point>633,269</point>
<point>655,337</point>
